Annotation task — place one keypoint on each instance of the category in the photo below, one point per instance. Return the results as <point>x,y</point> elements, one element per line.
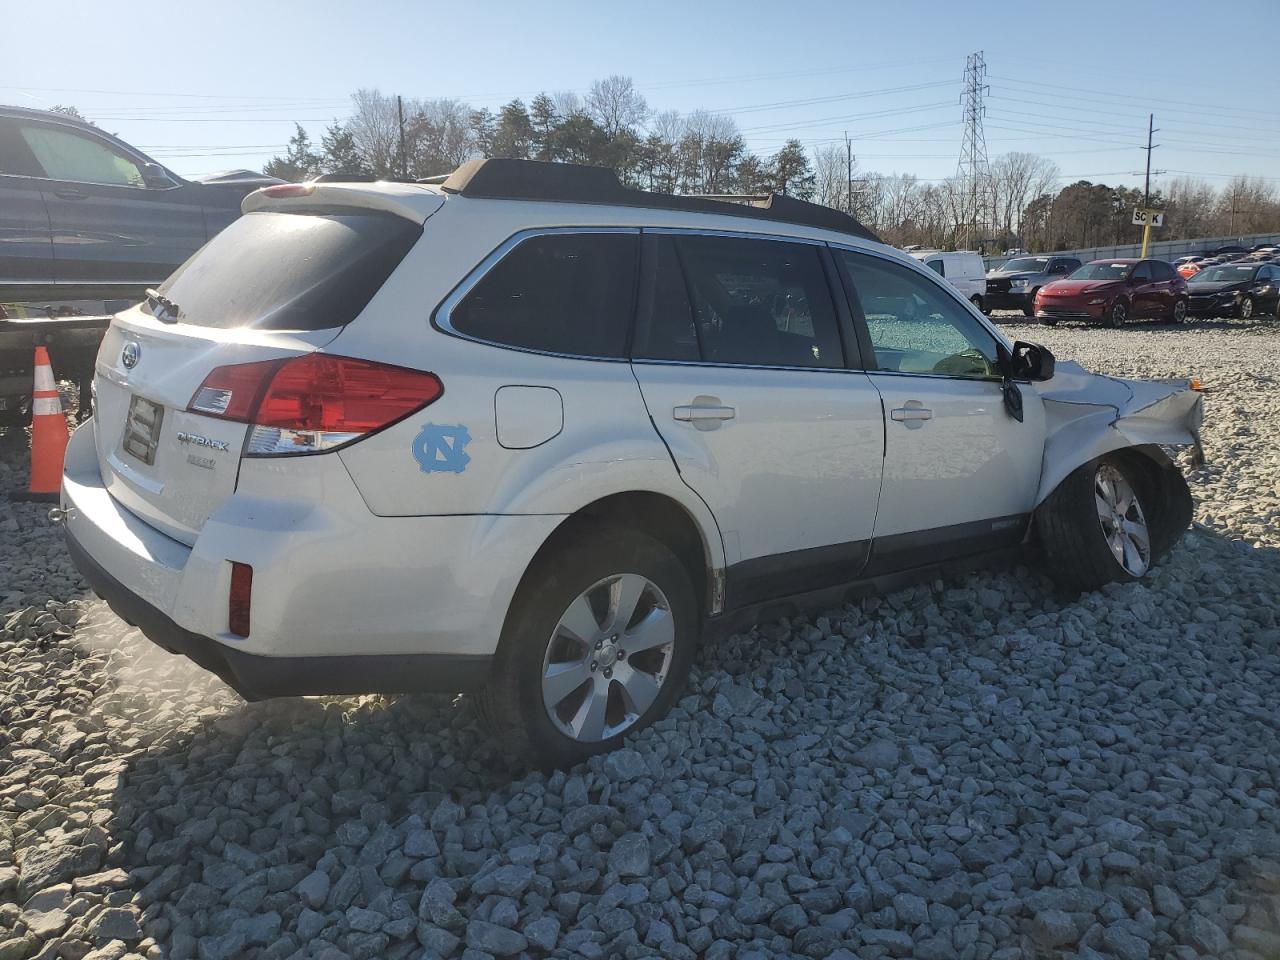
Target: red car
<point>1114,291</point>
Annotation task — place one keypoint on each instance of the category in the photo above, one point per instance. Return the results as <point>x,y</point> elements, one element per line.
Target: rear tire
<point>1179,312</point>
<point>1095,529</point>
<point>977,302</point>
<point>569,620</point>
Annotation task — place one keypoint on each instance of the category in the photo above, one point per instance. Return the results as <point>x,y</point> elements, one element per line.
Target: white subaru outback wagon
<point>526,432</point>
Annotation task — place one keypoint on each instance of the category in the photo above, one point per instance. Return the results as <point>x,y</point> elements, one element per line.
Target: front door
<point>738,353</point>
<point>960,473</point>
<point>108,226</point>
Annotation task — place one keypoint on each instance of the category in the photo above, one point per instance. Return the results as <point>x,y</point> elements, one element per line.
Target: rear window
<point>290,271</point>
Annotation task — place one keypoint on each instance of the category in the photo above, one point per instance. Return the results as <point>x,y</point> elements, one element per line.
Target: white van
<point>963,269</point>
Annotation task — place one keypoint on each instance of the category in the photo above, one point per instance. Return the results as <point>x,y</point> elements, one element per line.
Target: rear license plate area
<point>142,429</point>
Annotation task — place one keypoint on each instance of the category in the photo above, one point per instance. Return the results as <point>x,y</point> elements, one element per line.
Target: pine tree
<point>543,120</point>
<point>300,162</point>
<point>513,136</point>
<point>339,153</point>
<point>792,174</point>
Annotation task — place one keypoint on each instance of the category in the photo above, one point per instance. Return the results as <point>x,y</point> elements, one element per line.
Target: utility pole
<point>1146,191</point>
<point>404,160</point>
<point>1235,201</point>
<point>848,154</point>
<point>972,170</point>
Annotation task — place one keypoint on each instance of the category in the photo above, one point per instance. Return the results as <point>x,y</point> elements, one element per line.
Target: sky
<point>205,87</point>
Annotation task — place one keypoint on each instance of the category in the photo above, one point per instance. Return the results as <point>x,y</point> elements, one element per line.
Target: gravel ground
<point>970,769</point>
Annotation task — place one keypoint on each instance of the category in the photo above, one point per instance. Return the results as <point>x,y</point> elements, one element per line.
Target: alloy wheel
<point>608,658</point>
<point>1246,309</point>
<point>1179,311</point>
<point>1124,525</point>
<point>1119,313</point>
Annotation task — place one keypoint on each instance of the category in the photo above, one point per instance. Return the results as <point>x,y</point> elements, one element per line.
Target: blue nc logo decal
<point>440,449</point>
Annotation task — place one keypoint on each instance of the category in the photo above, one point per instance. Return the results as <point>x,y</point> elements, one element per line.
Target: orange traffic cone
<point>48,432</point>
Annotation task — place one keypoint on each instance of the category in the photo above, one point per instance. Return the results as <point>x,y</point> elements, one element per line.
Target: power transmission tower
<point>972,170</point>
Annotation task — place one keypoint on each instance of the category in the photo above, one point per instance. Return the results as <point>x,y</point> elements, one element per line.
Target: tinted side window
<point>1162,270</point>
<point>560,293</point>
<point>73,156</point>
<point>937,267</point>
<point>664,323</point>
<point>760,302</point>
<point>915,326</point>
<point>1142,271</point>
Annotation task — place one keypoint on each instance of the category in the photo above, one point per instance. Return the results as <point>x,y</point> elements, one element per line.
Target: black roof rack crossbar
<point>505,179</point>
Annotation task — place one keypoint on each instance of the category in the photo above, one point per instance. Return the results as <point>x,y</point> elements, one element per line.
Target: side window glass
<point>664,326</point>
<point>16,159</point>
<point>915,326</point>
<point>937,267</point>
<point>762,302</point>
<point>71,156</point>
<point>1142,271</point>
<point>560,293</point>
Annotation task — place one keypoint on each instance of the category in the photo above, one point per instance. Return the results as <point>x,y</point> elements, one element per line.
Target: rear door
<point>738,352</point>
<point>1144,292</point>
<point>960,473</point>
<point>271,285</point>
<point>107,226</point>
<point>26,245</point>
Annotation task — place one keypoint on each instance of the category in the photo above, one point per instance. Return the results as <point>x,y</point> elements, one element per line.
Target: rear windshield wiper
<point>162,308</point>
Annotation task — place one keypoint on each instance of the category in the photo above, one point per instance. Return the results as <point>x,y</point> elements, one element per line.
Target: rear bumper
<point>343,601</point>
<point>257,677</point>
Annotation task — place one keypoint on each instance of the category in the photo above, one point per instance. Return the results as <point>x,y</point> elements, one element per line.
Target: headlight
<point>1097,300</point>
<point>1017,284</point>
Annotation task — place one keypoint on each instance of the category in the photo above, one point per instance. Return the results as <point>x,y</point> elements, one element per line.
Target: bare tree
<point>831,176</point>
<point>1016,179</point>
<point>374,126</point>
<point>616,105</point>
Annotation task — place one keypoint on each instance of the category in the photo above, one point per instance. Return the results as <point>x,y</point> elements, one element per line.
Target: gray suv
<point>83,215</point>
<point>1013,284</point>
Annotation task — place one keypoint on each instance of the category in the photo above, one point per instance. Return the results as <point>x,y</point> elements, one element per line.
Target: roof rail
<point>507,179</point>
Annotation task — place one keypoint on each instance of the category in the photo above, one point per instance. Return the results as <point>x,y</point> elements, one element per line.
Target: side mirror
<point>155,178</point>
<point>1031,361</point>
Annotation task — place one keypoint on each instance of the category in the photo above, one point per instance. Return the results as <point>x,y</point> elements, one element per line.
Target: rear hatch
<point>276,283</point>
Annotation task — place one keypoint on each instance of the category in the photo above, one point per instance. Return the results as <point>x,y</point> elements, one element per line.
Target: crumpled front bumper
<point>1088,415</point>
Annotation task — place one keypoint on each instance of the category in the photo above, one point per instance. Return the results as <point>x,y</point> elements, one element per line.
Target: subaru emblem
<point>130,354</point>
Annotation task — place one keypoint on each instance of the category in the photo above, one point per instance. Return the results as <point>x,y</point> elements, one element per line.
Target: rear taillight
<point>313,402</point>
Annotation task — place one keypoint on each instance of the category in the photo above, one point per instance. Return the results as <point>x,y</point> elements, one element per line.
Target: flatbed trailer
<point>72,342</point>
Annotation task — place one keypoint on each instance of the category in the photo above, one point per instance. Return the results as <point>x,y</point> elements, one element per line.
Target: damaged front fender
<point>1088,415</point>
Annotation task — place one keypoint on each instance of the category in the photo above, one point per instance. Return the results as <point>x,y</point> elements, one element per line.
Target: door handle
<point>705,413</point>
<point>69,194</point>
<point>913,413</point>
<point>691,413</point>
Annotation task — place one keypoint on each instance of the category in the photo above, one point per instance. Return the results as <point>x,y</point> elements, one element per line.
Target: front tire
<point>597,645</point>
<point>1246,308</point>
<point>1117,315</point>
<point>1094,527</point>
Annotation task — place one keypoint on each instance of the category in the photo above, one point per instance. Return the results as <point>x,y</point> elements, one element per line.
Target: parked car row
<point>1050,287</point>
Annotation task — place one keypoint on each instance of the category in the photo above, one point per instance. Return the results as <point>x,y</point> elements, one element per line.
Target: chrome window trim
<point>733,235</point>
